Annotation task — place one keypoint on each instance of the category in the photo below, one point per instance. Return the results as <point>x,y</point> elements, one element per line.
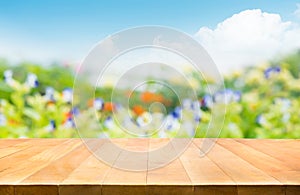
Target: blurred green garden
<point>262,101</point>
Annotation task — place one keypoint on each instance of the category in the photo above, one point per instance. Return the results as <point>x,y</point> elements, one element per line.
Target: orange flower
<point>151,97</point>
<point>138,110</point>
<point>109,106</point>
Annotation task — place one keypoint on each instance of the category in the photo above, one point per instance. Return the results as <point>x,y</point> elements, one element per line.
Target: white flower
<point>32,80</point>
<point>144,119</point>
<point>109,123</point>
<point>67,95</point>
<point>171,123</point>
<point>51,127</point>
<point>49,94</point>
<point>69,124</point>
<point>98,104</point>
<point>3,120</point>
<point>8,77</point>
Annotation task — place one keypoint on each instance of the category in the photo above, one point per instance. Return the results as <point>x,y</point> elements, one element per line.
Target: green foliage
<point>268,107</point>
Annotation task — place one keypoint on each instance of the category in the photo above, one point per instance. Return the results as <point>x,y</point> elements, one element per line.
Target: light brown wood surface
<point>231,166</point>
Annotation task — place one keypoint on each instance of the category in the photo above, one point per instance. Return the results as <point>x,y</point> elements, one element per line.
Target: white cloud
<point>249,37</point>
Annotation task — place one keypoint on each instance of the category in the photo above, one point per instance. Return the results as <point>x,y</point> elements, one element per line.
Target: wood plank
<point>58,170</point>
<point>216,189</point>
<point>262,161</point>
<point>95,189</point>
<point>123,189</point>
<point>66,166</point>
<point>132,157</point>
<point>7,189</point>
<point>238,169</point>
<point>266,190</point>
<point>26,167</point>
<point>287,152</point>
<point>173,173</point>
<point>169,189</point>
<point>292,189</point>
<point>13,147</point>
<point>9,162</point>
<point>4,143</point>
<point>92,170</point>
<point>36,189</point>
<point>201,170</point>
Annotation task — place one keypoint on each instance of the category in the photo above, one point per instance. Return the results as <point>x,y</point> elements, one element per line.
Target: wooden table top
<point>233,166</point>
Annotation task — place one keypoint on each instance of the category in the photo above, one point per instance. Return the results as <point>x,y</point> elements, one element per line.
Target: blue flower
<point>52,126</point>
<point>32,81</point>
<point>176,113</point>
<point>75,111</point>
<point>237,96</point>
<point>271,71</point>
<point>206,102</point>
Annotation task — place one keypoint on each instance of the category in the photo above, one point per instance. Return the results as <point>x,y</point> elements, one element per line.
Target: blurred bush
<point>261,102</point>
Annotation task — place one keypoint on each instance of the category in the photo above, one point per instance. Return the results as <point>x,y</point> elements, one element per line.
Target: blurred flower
<point>2,120</point>
<point>75,111</point>
<point>138,110</point>
<point>8,77</point>
<point>98,104</point>
<point>171,123</point>
<point>261,120</point>
<point>51,127</point>
<point>207,102</point>
<point>31,80</point>
<point>271,71</point>
<point>227,96</point>
<point>49,94</point>
<point>109,106</point>
<point>195,105</point>
<point>144,119</point>
<point>67,95</point>
<point>176,113</point>
<point>284,103</point>
<point>148,97</point>
<point>197,116</point>
<point>69,123</point>
<point>109,123</point>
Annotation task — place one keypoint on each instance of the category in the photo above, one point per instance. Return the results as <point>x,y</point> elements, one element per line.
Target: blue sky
<point>73,27</point>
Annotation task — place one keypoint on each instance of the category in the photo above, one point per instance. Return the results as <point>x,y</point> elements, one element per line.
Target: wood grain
<point>206,166</point>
